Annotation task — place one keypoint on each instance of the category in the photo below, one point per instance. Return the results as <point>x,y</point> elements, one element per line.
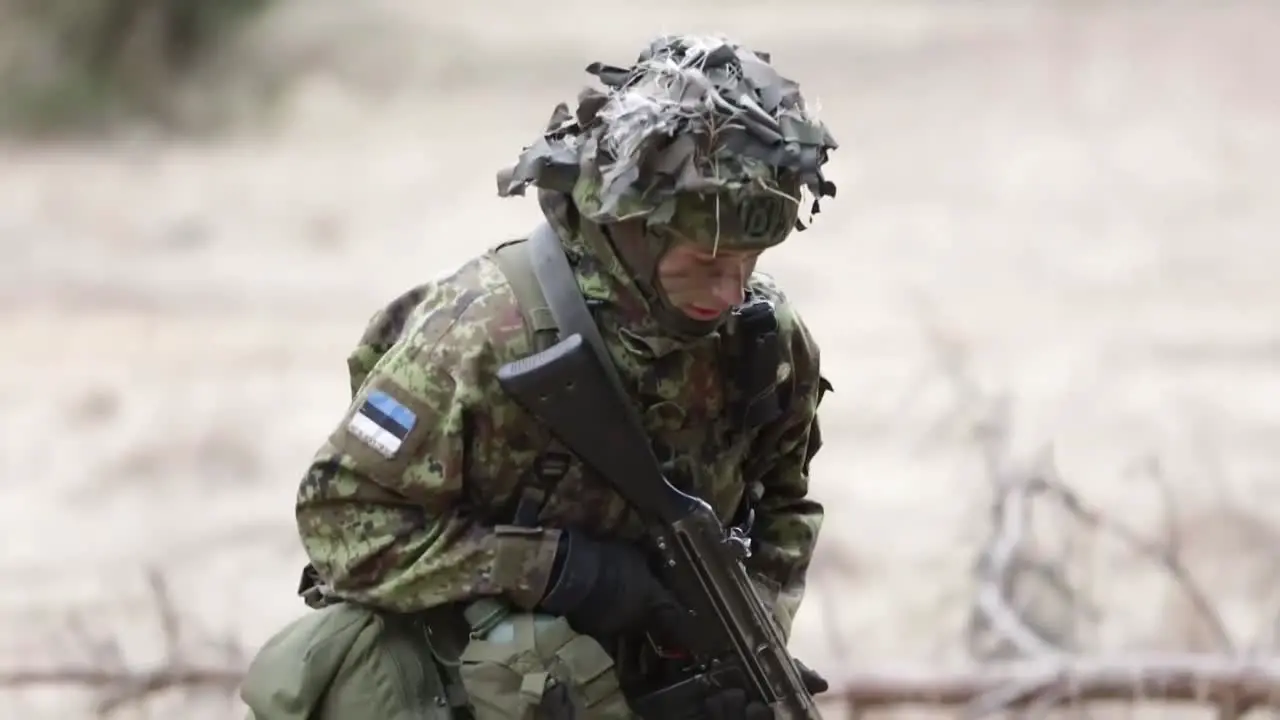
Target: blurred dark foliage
<point>79,65</point>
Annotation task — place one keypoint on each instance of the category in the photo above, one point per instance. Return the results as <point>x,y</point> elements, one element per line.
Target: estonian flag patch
<point>382,423</point>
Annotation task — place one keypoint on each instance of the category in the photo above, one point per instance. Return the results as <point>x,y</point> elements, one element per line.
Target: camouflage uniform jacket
<point>425,519</point>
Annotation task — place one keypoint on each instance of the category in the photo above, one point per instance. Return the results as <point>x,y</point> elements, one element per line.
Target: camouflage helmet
<point>701,138</point>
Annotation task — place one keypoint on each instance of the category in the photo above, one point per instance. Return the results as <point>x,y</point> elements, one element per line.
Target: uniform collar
<point>619,304</point>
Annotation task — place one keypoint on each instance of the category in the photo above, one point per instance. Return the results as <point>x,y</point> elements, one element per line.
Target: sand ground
<point>1076,202</point>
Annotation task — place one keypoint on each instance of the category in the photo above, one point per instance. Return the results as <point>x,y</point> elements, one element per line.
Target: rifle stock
<point>737,642</point>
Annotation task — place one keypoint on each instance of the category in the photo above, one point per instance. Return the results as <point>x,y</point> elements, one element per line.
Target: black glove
<point>732,704</point>
<point>606,588</point>
<point>813,682</point>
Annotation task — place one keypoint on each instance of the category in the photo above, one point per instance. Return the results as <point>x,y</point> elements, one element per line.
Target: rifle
<point>736,641</point>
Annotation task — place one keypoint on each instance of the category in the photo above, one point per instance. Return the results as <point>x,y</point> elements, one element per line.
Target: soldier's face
<point>702,284</point>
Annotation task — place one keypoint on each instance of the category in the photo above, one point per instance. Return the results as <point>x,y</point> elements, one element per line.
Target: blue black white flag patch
<point>382,423</point>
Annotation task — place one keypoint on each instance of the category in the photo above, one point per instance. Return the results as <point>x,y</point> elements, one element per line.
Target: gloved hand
<point>813,682</point>
<point>606,588</point>
<point>732,704</point>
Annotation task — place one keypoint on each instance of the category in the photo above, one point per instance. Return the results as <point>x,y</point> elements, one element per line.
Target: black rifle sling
<point>564,298</point>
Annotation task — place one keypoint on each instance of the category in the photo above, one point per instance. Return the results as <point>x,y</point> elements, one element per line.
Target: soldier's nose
<point>728,292</point>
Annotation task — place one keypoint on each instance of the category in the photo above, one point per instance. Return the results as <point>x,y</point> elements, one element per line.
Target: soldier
<point>462,565</point>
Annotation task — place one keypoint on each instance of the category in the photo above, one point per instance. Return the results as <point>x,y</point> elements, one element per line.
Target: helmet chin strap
<point>640,255</point>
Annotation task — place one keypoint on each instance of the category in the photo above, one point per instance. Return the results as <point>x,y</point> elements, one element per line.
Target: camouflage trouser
<point>345,662</point>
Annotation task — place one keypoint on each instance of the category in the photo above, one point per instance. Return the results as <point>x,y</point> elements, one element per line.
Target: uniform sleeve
<point>391,511</point>
<point>787,520</point>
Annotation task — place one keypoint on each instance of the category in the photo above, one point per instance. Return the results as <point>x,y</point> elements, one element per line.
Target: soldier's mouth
<point>698,312</point>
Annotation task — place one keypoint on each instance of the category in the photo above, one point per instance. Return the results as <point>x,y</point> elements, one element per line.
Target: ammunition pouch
<point>517,665</point>
<point>755,365</point>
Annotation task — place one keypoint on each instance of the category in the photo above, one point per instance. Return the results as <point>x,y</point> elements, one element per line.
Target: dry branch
<point>119,685</point>
<point>1172,678</point>
<point>1039,683</point>
<point>122,687</point>
<point>1025,606</point>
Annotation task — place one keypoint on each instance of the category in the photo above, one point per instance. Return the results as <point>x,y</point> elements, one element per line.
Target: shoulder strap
<point>515,260</point>
<point>552,306</point>
<point>516,264</point>
<point>551,300</point>
<point>568,307</point>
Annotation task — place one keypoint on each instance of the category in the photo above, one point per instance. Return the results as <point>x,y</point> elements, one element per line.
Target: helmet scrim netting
<point>700,135</point>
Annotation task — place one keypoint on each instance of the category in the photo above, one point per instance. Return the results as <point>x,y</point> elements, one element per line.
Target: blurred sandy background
<point>1076,201</point>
